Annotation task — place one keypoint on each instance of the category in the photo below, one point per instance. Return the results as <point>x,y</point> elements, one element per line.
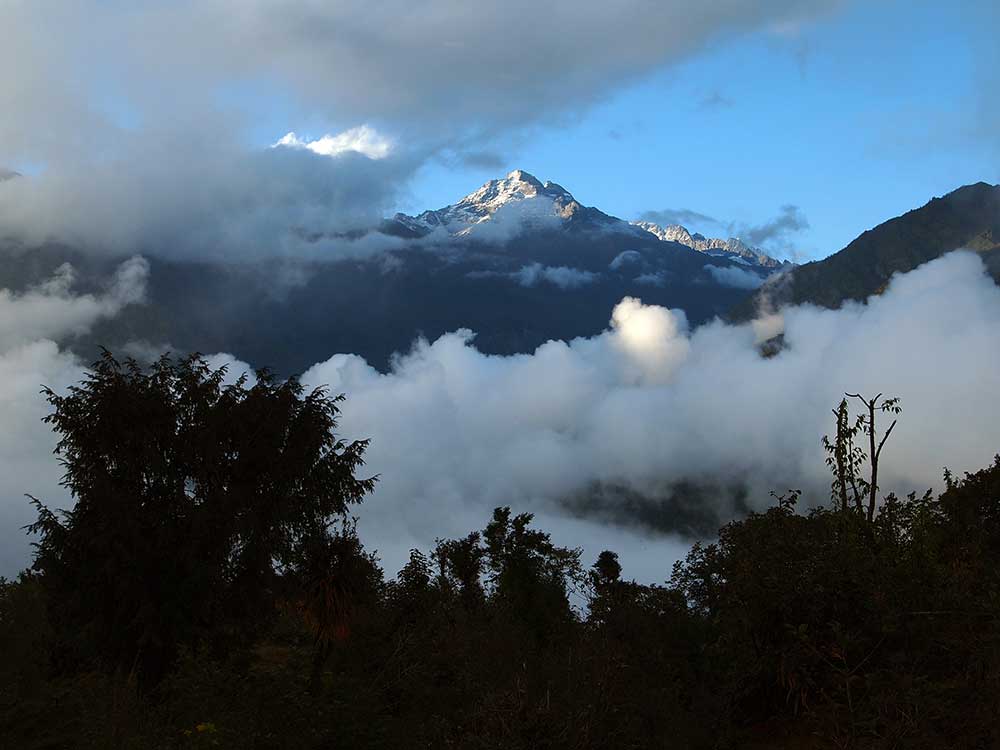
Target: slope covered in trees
<point>208,590</point>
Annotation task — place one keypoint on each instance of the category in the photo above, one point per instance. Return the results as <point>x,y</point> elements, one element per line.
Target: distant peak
<point>517,186</point>
<point>532,200</point>
<point>733,248</point>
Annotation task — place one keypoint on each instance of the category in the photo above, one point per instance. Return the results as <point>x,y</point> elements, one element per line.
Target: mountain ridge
<point>965,218</point>
<point>540,204</point>
<point>732,248</point>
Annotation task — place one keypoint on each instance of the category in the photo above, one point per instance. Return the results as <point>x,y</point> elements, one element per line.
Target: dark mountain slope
<point>965,218</point>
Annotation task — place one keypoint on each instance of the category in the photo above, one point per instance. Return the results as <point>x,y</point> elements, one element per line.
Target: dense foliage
<point>794,629</point>
<point>192,496</point>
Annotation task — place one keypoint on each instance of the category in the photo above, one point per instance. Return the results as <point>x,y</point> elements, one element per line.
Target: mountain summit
<point>519,197</point>
<point>520,201</point>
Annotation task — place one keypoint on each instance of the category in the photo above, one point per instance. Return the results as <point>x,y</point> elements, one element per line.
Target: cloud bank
<point>191,201</point>
<point>648,404</point>
<point>641,408</point>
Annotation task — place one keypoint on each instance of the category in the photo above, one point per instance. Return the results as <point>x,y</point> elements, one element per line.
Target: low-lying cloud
<point>536,274</point>
<point>648,404</point>
<point>631,416</point>
<point>362,140</point>
<point>52,310</point>
<point>563,277</point>
<point>739,278</point>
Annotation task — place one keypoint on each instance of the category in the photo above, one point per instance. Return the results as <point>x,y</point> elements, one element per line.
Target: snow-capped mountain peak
<point>519,201</point>
<point>516,186</point>
<point>519,196</point>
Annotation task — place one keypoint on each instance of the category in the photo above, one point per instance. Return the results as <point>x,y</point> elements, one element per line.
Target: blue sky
<point>857,117</point>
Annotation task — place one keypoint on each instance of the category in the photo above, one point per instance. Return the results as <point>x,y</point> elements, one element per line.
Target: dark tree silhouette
<point>845,458</point>
<point>193,497</point>
<point>793,628</point>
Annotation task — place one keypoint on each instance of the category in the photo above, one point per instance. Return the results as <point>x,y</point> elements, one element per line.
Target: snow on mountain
<point>518,199</point>
<point>732,249</point>
<point>507,206</point>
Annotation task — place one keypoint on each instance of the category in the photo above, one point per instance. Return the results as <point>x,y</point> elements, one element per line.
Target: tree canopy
<point>192,496</point>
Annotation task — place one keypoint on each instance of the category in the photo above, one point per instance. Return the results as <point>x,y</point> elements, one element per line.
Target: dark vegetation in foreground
<point>198,596</point>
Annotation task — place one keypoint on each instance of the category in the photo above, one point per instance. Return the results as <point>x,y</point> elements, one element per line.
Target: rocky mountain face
<point>968,217</point>
<point>733,248</point>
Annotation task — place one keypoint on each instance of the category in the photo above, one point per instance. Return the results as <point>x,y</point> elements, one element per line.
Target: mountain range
<point>518,261</point>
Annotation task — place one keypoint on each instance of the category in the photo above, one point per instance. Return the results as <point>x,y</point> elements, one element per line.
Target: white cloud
<point>563,277</point>
<point>362,139</point>
<point>647,403</point>
<point>30,324</point>
<point>625,258</point>
<point>740,278</point>
<point>51,310</point>
<point>26,444</point>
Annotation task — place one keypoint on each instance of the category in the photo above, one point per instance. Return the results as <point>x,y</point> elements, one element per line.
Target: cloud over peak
<point>141,119</point>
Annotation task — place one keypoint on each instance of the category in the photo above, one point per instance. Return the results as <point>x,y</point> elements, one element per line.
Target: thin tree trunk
<point>873,487</point>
